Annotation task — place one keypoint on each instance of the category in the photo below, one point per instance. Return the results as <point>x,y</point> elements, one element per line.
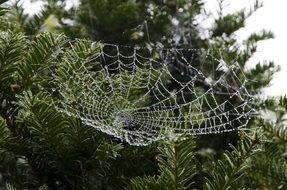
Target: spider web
<point>141,95</point>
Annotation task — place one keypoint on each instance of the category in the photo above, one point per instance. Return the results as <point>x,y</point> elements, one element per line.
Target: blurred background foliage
<point>40,148</point>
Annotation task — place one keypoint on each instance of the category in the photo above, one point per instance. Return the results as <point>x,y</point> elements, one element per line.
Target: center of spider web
<point>123,118</point>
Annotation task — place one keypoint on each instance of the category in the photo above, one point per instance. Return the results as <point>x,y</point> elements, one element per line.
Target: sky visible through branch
<point>269,17</point>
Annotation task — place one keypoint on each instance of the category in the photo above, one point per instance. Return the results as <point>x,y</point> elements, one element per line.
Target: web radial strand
<point>141,95</point>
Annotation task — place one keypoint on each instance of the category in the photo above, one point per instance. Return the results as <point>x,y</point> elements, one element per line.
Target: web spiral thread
<point>141,95</point>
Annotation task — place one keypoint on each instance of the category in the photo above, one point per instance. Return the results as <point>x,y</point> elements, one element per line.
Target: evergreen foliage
<point>177,167</point>
<point>42,148</point>
<point>233,165</point>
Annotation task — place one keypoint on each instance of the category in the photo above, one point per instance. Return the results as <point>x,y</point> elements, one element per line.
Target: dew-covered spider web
<point>141,95</point>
